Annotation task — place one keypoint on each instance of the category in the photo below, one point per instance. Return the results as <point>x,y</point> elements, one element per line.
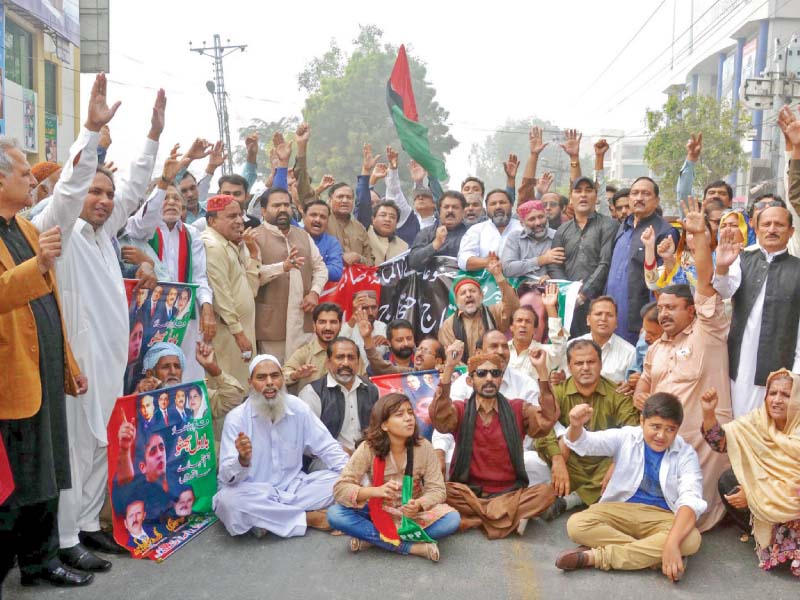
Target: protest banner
<point>425,297</point>
<point>158,315</point>
<point>419,386</point>
<point>162,469</point>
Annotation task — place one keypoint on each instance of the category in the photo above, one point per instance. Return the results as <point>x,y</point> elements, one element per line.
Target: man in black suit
<point>183,412</point>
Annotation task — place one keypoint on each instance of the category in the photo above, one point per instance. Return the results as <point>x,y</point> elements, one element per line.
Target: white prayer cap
<point>258,359</point>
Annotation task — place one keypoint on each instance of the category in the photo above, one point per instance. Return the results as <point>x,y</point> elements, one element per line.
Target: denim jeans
<point>356,523</point>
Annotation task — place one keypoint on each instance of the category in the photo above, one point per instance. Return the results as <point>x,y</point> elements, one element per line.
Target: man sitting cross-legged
<point>648,513</point>
<point>488,483</point>
<point>261,485</point>
<point>578,480</point>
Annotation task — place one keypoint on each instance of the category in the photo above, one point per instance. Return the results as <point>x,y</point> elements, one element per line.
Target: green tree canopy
<point>264,129</point>
<point>512,138</point>
<point>346,107</point>
<point>672,126</point>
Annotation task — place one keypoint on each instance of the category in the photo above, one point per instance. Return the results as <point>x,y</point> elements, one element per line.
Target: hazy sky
<point>488,61</point>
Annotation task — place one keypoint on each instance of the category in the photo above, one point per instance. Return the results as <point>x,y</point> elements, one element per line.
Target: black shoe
<point>555,510</point>
<point>101,541</point>
<point>80,557</point>
<point>59,575</point>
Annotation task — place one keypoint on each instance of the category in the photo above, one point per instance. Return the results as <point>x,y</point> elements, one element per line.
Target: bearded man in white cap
<point>261,484</point>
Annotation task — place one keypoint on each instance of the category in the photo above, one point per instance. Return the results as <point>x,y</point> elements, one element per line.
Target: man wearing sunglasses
<point>488,482</point>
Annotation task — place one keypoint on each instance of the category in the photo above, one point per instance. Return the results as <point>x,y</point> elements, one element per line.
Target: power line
<point>705,33</point>
<point>625,47</point>
<point>711,27</point>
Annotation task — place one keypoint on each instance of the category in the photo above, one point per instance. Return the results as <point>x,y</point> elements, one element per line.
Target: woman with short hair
<point>403,509</point>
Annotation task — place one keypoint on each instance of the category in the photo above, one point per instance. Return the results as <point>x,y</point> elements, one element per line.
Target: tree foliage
<point>264,129</point>
<point>672,126</point>
<point>346,106</point>
<point>512,138</point>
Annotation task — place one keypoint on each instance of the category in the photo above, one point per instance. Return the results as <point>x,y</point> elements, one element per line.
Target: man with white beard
<point>266,490</point>
<point>473,319</point>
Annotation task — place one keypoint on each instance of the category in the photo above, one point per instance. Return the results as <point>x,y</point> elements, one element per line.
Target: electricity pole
<point>778,85</point>
<point>217,90</point>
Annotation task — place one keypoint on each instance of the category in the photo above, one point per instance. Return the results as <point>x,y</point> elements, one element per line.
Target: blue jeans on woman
<point>356,523</point>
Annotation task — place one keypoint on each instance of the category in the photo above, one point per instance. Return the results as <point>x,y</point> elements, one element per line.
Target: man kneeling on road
<point>648,513</point>
<point>261,485</point>
<point>488,482</point>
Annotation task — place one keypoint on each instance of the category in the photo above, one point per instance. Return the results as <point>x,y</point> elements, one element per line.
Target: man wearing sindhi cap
<point>257,492</point>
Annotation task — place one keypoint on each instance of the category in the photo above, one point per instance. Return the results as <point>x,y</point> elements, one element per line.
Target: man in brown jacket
<point>37,370</point>
<point>350,233</point>
<point>292,276</point>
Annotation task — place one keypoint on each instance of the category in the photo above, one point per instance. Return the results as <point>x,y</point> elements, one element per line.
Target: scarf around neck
<point>511,434</point>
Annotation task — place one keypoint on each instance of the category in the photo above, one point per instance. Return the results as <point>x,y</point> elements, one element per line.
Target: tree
<point>671,127</point>
<point>264,129</point>
<point>512,138</point>
<point>346,107</point>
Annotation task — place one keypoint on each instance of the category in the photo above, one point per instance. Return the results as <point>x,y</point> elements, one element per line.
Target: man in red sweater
<point>488,483</point>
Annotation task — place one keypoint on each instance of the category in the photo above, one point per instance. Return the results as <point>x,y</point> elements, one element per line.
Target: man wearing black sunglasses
<point>488,482</point>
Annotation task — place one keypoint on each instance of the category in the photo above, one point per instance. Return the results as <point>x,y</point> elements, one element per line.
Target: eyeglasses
<point>552,204</point>
<point>767,204</point>
<point>484,372</point>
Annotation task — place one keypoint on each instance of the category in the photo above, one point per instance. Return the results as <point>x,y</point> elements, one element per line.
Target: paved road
<point>320,566</point>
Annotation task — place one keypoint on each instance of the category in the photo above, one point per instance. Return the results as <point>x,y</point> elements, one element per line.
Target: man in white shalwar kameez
<point>95,311</point>
<point>769,263</point>
<point>261,485</point>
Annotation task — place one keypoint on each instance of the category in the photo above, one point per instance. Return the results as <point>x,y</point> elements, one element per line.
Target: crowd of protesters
<point>661,400</point>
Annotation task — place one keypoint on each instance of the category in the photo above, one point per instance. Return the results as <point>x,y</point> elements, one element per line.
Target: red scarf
<point>184,252</point>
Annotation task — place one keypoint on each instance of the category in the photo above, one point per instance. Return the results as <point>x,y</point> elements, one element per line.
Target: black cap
<point>576,184</point>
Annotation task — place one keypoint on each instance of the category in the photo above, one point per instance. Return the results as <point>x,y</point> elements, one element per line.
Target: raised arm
<point>686,177</point>
<point>600,149</point>
<point>76,177</point>
<point>131,190</point>
<point>572,146</point>
<point>143,223</point>
<point>539,420</point>
<point>443,414</point>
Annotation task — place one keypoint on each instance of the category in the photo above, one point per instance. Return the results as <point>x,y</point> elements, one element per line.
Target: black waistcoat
<point>779,317</point>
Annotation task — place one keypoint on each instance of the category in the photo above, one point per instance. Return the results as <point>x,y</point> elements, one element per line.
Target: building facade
<point>40,63</point>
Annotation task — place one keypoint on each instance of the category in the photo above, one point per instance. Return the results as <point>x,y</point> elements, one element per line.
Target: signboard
<point>29,139</point>
<point>62,16</point>
<point>51,137</point>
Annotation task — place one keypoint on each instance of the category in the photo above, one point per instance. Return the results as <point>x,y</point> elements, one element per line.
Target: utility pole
<point>217,90</point>
<point>777,86</point>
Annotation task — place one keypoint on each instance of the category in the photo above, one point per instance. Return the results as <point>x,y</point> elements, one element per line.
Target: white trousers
<point>79,507</point>
<point>249,504</point>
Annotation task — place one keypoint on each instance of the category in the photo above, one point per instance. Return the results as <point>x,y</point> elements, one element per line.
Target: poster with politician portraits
<point>158,315</point>
<point>162,469</point>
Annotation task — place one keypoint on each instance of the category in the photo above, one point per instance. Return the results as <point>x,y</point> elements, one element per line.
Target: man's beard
<point>272,409</point>
<point>472,220</point>
<point>403,352</point>
<point>500,219</point>
<point>539,235</point>
<point>470,309</point>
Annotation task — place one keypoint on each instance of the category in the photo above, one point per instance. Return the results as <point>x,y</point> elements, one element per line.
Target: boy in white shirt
<point>648,512</point>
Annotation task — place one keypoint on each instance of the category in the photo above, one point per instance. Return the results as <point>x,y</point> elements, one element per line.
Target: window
<point>50,87</point>
<point>630,172</point>
<point>19,55</point>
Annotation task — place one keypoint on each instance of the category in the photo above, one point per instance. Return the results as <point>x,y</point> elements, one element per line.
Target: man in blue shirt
<point>315,222</point>
<point>648,512</point>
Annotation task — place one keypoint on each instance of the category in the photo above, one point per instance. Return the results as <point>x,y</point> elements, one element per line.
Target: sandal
<point>356,545</point>
<point>433,552</point>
